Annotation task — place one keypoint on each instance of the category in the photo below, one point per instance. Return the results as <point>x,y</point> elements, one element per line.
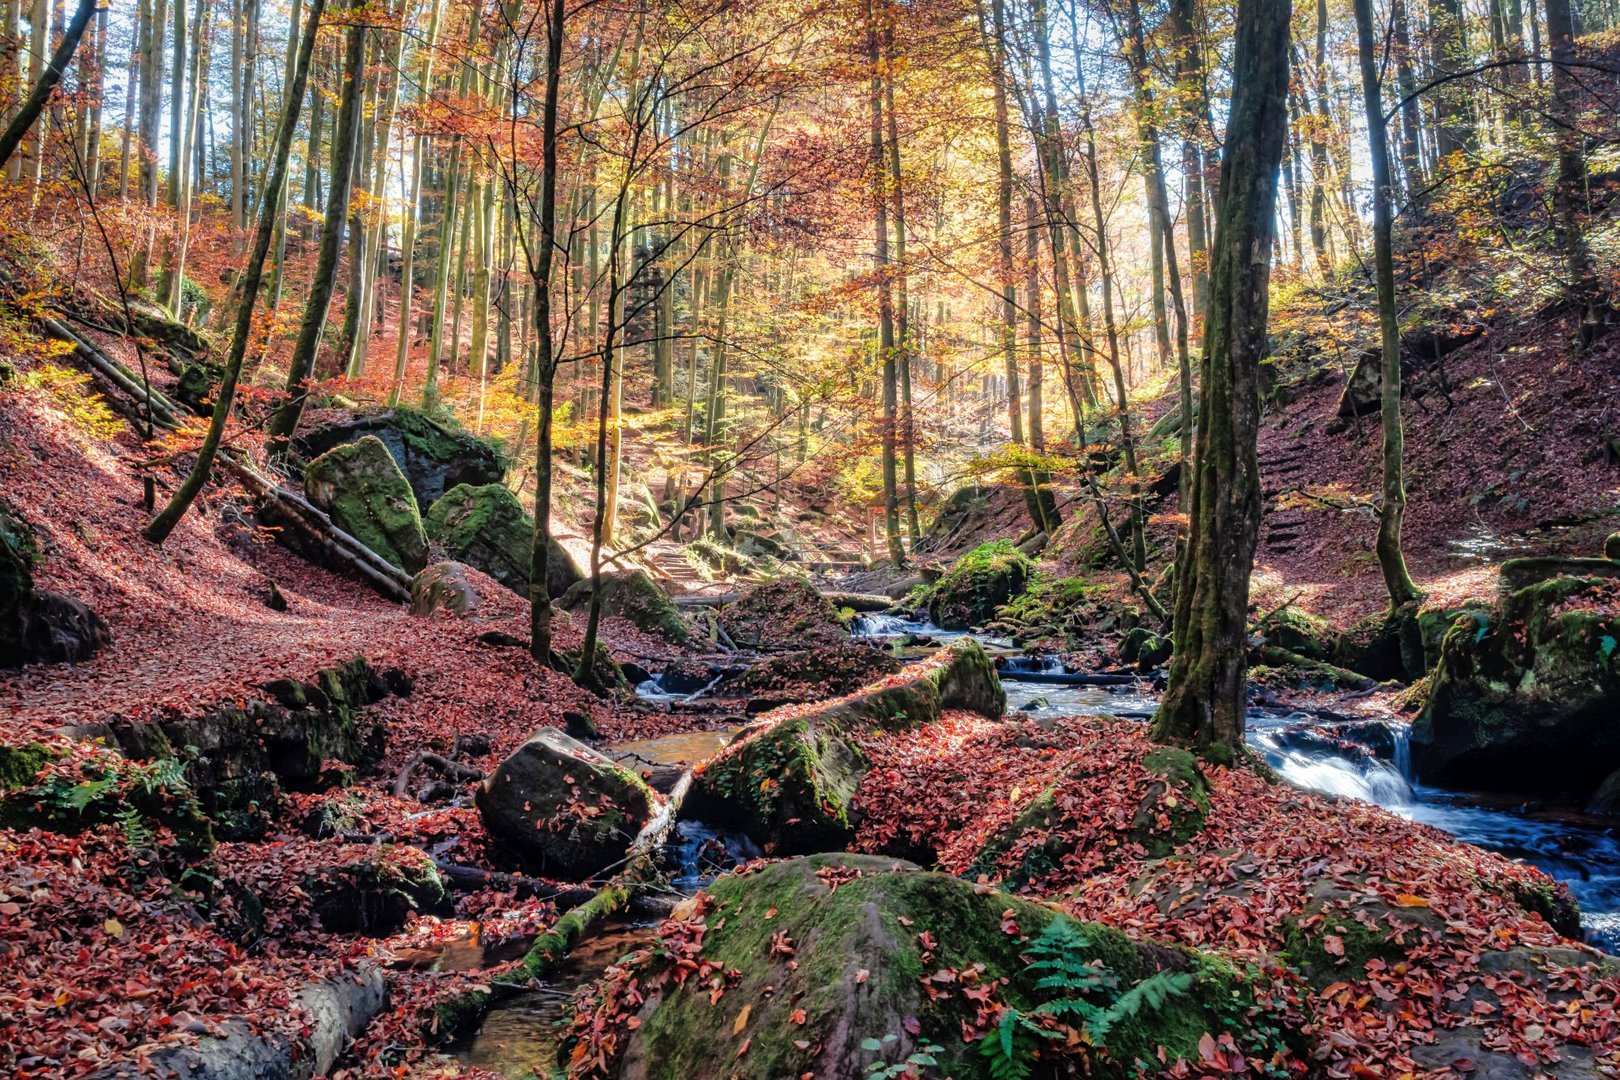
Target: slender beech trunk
<point>1204,704</point>
<point>165,521</point>
<point>1584,288</point>
<point>903,335</point>
<point>284,421</point>
<point>49,77</point>
<point>885,287</point>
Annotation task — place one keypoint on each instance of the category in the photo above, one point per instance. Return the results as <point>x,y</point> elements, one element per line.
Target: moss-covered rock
<point>791,782</point>
<point>1298,631</point>
<point>361,488</point>
<point>784,613</point>
<point>38,626</point>
<point>20,765</point>
<point>375,889</point>
<point>961,513</point>
<point>633,595</point>
<point>1384,646</point>
<point>839,962</point>
<point>96,785</point>
<point>1524,697</point>
<point>196,387</point>
<point>434,457</point>
<point>605,675</point>
<point>1605,801</point>
<point>237,756</point>
<point>563,806</point>
<point>487,528</point>
<point>978,583</point>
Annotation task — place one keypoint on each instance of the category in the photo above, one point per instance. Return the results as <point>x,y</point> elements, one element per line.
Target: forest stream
<point>519,1036</point>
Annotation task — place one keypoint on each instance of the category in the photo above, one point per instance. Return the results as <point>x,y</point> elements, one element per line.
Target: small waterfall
<point>884,626</point>
<point>1307,759</point>
<point>701,852</point>
<point>1032,665</point>
<point>1401,734</point>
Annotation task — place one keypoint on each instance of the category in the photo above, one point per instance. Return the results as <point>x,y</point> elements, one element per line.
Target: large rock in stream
<point>563,806</point>
<point>487,528</point>
<point>433,456</point>
<point>362,490</point>
<point>790,781</point>
<point>978,583</point>
<point>1525,696</point>
<point>787,612</point>
<point>834,963</point>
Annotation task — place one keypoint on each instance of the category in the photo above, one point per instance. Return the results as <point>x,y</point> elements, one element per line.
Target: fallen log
<point>339,1009</point>
<point>462,1014</point>
<point>288,508</point>
<point>472,878</point>
<point>1350,680</point>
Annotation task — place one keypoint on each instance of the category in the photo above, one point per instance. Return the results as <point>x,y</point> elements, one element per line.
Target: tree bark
<point>1204,704</point>
<point>46,82</point>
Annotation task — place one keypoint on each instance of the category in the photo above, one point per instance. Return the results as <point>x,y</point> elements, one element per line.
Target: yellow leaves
<point>742,1020</point>
<point>1409,900</point>
<point>114,928</point>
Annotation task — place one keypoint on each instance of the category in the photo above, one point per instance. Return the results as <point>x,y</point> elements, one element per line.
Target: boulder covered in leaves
<point>487,528</point>
<point>445,586</point>
<point>1524,696</point>
<point>563,807</point>
<point>787,612</point>
<point>814,674</point>
<point>633,595</point>
<point>362,490</point>
<point>852,965</point>
<point>372,889</point>
<point>791,782</point>
<point>434,457</point>
<point>38,626</point>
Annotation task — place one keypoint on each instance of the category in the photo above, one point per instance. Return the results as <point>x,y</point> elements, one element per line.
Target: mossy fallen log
<point>1344,678</point>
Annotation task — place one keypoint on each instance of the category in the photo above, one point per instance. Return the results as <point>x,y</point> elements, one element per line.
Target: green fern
<point>1149,995</point>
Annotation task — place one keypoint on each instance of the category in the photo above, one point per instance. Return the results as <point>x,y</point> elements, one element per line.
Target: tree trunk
<point>302,365</point>
<point>1204,703</point>
<point>51,75</point>
<point>170,516</point>
<point>1391,559</point>
<point>885,288</point>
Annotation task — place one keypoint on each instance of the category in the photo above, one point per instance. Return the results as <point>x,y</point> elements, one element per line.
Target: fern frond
<point>1150,994</point>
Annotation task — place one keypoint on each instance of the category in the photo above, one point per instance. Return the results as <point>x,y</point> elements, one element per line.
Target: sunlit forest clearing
<point>865,539</point>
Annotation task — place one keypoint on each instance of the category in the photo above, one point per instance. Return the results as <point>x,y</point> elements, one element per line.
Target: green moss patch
<point>978,584</point>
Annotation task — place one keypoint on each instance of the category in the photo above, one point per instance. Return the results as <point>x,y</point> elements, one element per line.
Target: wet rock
<point>433,457</point>
<point>632,595</point>
<point>445,586</point>
<point>1524,696</point>
<point>1605,801</point>
<point>784,613</point>
<point>866,933</point>
<point>361,488</point>
<point>487,528</point>
<point>1382,646</point>
<point>563,807</point>
<point>978,583</point>
<point>375,889</point>
<point>38,626</point>
<point>791,783</point>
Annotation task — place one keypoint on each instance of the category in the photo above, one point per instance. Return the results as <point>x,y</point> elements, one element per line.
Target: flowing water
<point>1582,853</point>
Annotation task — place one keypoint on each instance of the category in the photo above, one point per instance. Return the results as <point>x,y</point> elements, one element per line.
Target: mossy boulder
<point>487,528</point>
<point>838,963</point>
<point>784,613</point>
<point>444,586</point>
<point>1524,697</point>
<point>374,889</point>
<point>361,488</point>
<point>563,807</point>
<point>978,583</point>
<point>1145,648</point>
<point>790,783</point>
<point>1298,631</point>
<point>1605,801</point>
<point>963,511</point>
<point>38,626</point>
<point>434,457</point>
<point>756,543</point>
<point>633,595</point>
<point>197,386</point>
